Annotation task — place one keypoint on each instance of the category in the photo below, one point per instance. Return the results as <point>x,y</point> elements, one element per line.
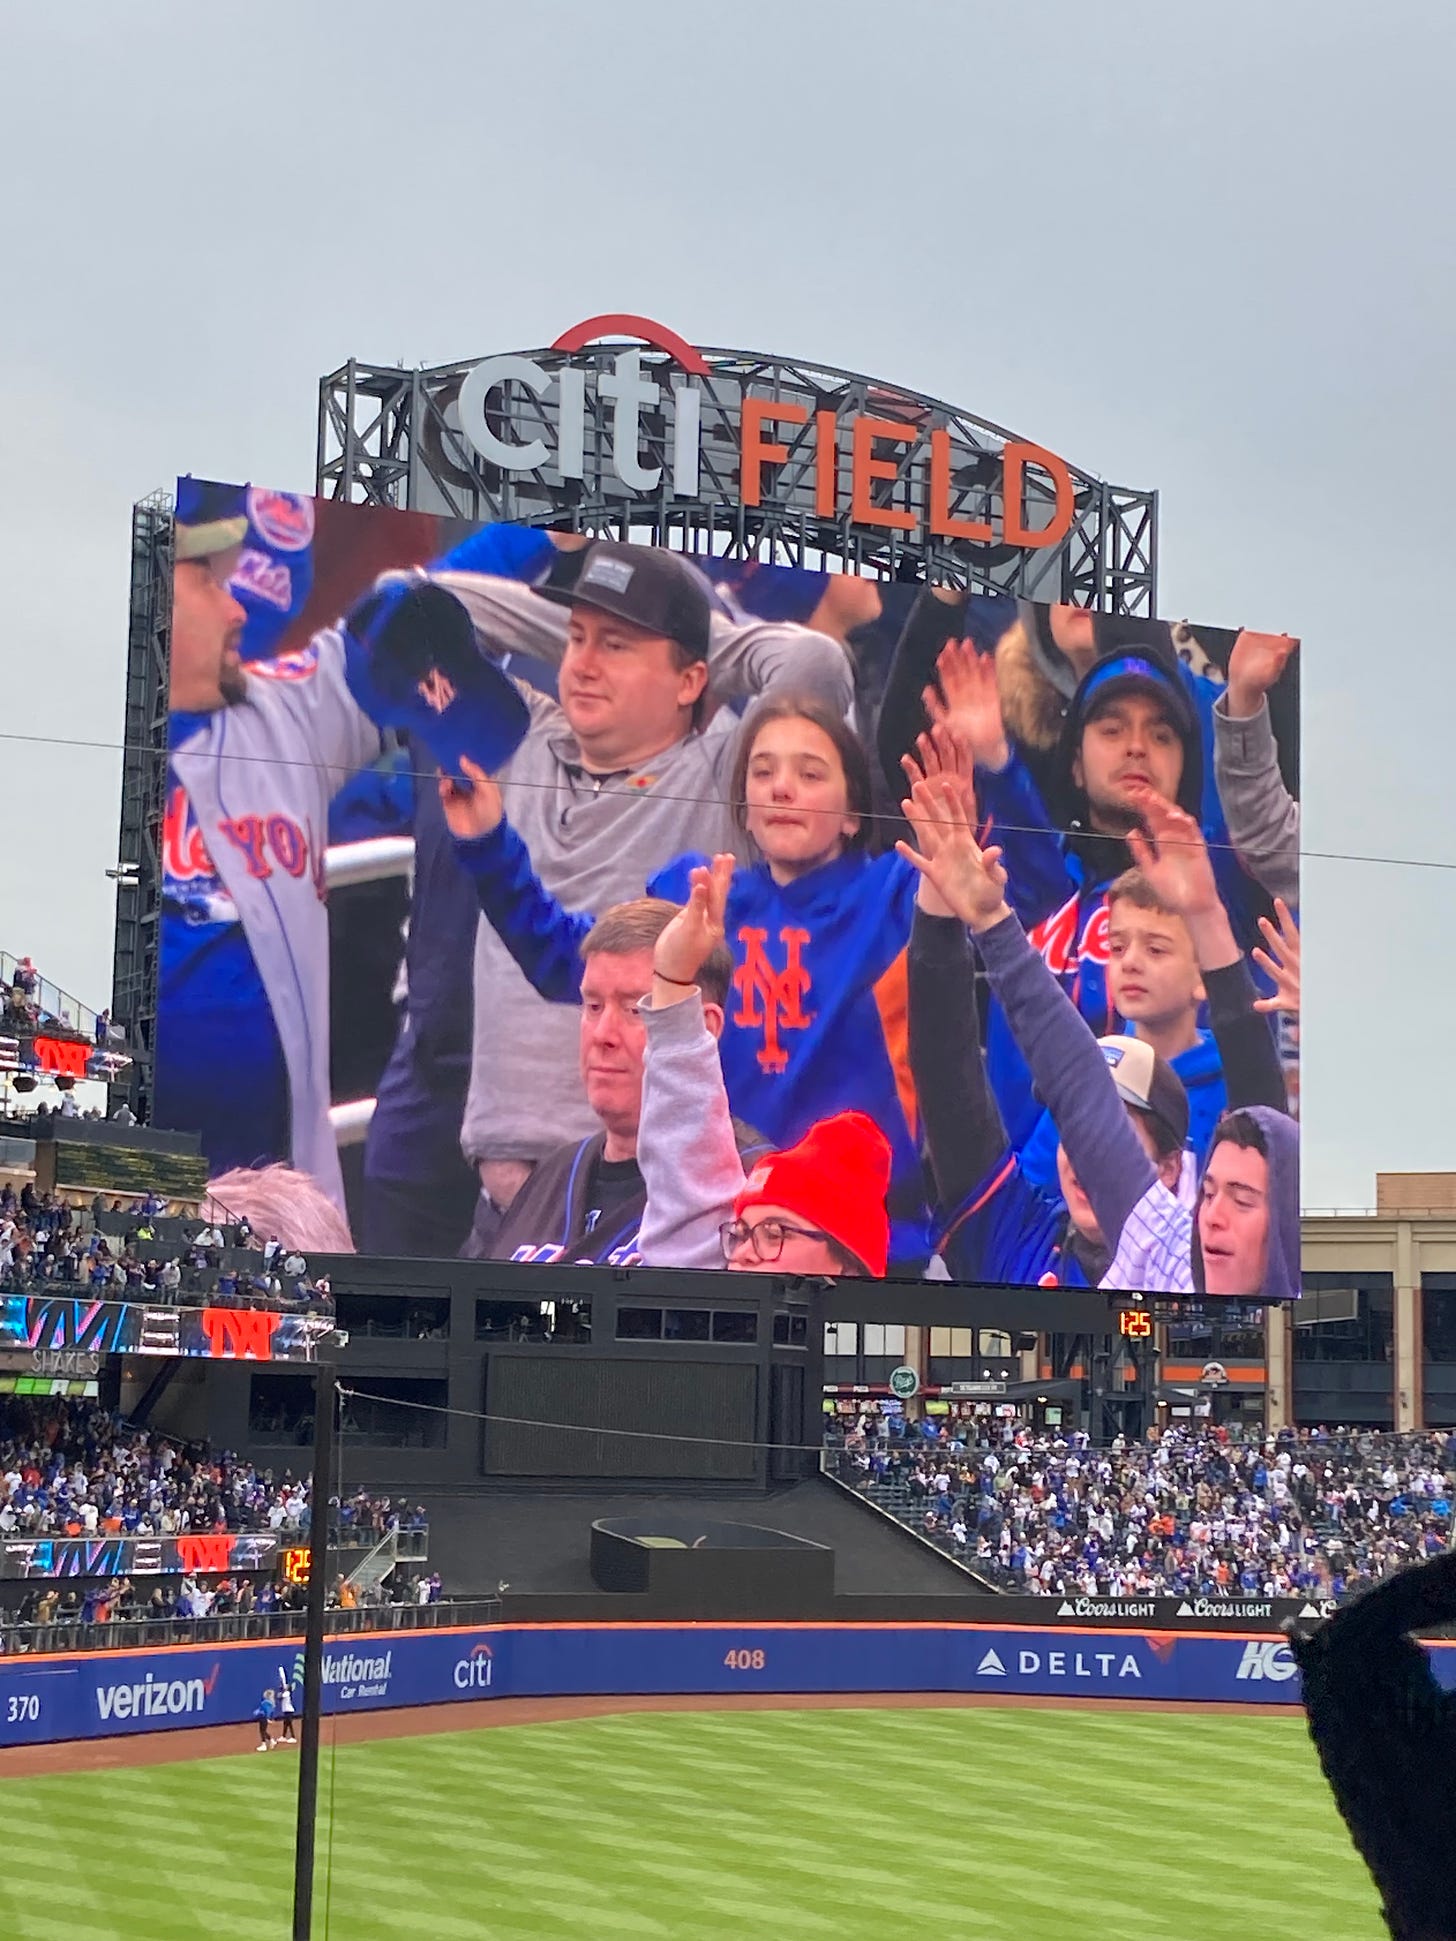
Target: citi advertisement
<point>51,1699</point>
<point>959,929</point>
<point>657,417</point>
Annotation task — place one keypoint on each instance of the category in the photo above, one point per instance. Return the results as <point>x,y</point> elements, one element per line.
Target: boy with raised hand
<point>1155,986</point>
<point>998,1224</point>
<point>1159,975</point>
<point>1172,859</point>
<point>1249,1194</point>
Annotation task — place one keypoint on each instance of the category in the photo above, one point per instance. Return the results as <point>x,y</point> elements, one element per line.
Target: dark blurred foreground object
<point>1386,1737</point>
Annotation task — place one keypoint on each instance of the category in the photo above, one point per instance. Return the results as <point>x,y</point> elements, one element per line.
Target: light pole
<point>324,1402</point>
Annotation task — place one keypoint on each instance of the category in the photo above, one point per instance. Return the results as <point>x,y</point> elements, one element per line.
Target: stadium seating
<point>75,1470</point>
<point>138,1253</point>
<point>1311,1513</point>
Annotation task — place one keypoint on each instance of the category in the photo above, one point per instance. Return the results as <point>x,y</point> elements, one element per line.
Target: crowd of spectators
<point>38,1117</point>
<point>69,1469</point>
<point>28,1003</point>
<point>75,1469</point>
<point>48,1242</point>
<point>56,1615</point>
<point>1310,1513</point>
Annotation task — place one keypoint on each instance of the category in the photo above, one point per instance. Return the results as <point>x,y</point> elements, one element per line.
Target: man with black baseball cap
<point>626,769</point>
<point>660,592</point>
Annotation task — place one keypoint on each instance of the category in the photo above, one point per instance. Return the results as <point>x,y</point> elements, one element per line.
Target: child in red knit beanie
<point>829,1188</point>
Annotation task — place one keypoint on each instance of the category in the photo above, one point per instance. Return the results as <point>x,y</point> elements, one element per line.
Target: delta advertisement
<point>101,1694</point>
<point>995,974</point>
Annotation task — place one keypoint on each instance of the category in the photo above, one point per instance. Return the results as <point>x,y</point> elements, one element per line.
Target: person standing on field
<point>286,1710</point>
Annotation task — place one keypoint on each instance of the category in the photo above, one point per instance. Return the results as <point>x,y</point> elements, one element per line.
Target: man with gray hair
<point>584,1202</point>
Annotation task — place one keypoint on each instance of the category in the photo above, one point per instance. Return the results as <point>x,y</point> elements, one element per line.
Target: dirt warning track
<point>220,1741</point>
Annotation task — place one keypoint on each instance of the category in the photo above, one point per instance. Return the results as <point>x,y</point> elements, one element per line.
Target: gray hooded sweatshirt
<point>595,840</point>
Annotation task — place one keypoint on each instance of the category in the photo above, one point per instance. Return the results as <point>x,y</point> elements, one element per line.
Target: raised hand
<point>1171,852</point>
<point>969,880</point>
<point>471,802</point>
<point>688,941</point>
<point>939,753</point>
<point>967,701</point>
<point>1254,666</point>
<point>1280,960</point>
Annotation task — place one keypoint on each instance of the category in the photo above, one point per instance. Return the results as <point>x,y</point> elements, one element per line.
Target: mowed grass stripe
<point>692,1827</point>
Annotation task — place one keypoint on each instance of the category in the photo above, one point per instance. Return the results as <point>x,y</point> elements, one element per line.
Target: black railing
<point>838,1465</point>
<point>197,1288</point>
<point>412,1545</point>
<point>146,1634</point>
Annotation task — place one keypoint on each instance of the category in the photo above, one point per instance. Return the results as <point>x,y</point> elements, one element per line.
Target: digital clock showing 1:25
<point>1134,1324</point>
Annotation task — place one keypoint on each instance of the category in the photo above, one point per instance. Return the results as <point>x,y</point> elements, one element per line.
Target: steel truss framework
<point>143,791</point>
<point>391,437</point>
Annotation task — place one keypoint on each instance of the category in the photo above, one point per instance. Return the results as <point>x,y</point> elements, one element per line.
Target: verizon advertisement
<point>545,899</point>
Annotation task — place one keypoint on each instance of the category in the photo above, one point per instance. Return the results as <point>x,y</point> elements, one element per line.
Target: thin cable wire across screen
<point>582,1428</point>
<point>720,802</point>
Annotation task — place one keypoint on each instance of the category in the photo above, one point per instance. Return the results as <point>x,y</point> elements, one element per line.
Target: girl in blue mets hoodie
<point>817,1017</point>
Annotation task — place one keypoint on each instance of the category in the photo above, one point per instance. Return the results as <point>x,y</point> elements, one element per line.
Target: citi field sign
<point>892,469</point>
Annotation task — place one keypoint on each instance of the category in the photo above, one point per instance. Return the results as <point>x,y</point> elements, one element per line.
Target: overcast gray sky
<point>1203,249</point>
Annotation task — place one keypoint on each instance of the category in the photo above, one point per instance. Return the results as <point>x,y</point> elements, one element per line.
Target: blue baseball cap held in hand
<point>413,663</point>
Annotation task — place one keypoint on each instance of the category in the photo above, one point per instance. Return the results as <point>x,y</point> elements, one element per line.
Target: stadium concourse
<point>1312,1513</point>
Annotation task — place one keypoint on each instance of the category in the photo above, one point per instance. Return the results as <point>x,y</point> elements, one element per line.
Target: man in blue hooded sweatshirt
<point>1132,725</point>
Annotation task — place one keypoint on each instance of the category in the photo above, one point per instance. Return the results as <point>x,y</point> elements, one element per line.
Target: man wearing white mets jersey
<point>255,755</point>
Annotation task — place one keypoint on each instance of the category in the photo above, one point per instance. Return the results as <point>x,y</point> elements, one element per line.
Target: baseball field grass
<point>1006,1824</point>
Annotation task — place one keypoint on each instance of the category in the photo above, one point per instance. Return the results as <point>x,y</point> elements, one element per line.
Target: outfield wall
<point>99,1694</point>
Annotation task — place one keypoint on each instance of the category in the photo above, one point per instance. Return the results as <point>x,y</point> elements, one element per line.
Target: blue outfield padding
<point>100,1694</point>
